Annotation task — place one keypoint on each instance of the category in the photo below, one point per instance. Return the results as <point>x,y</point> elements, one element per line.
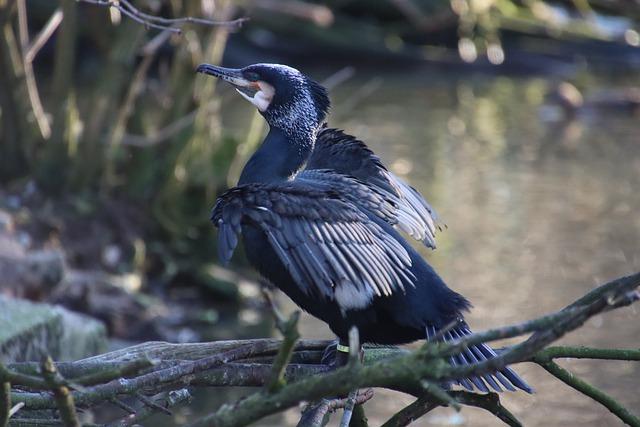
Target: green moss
<point>28,331</point>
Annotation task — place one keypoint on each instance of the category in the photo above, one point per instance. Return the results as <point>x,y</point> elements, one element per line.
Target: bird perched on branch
<point>319,214</point>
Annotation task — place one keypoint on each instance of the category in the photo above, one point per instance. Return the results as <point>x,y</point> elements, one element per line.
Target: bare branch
<point>489,402</point>
<point>410,413</point>
<point>15,409</point>
<point>32,88</point>
<point>44,35</point>
<point>120,404</point>
<point>63,397</point>
<point>172,399</point>
<point>314,414</point>
<point>568,352</point>
<point>5,402</point>
<point>320,15</point>
<point>120,371</point>
<point>151,404</point>
<point>289,330</point>
<point>589,390</point>
<point>348,408</point>
<point>16,378</point>
<point>166,24</point>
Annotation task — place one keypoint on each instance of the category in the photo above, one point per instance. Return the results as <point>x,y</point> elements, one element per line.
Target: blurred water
<point>538,213</point>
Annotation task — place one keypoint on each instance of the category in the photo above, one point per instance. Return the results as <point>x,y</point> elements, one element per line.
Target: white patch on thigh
<point>349,297</point>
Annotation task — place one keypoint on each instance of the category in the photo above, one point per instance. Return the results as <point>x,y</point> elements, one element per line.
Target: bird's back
<point>344,154</point>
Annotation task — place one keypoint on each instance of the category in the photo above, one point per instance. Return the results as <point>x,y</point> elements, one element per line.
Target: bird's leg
<point>336,354</point>
<point>342,353</point>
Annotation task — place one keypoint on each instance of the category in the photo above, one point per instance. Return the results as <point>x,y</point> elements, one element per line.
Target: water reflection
<point>538,214</point>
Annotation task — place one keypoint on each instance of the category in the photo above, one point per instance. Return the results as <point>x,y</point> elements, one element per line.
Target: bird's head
<point>286,98</point>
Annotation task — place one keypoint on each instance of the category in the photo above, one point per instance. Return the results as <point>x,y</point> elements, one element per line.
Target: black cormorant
<point>318,213</point>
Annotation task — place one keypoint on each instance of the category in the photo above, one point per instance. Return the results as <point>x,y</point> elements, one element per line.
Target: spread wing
<point>329,247</point>
<point>367,198</point>
<point>347,155</point>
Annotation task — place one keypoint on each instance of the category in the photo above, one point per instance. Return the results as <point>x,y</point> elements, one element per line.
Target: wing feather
<point>328,245</point>
<point>398,203</point>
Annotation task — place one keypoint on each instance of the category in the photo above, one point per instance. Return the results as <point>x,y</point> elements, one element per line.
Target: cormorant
<point>317,211</point>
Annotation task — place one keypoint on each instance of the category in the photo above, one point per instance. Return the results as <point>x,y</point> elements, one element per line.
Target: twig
<point>320,15</point>
<point>610,288</point>
<point>314,415</point>
<point>354,359</point>
<point>489,402</point>
<point>63,397</point>
<point>439,394</point>
<point>161,135</point>
<point>289,330</point>
<point>550,353</point>
<point>412,412</point>
<point>623,294</point>
<point>362,93</point>
<point>589,390</point>
<point>16,378</point>
<point>38,422</point>
<point>426,403</point>
<point>15,409</point>
<point>44,35</point>
<point>541,323</point>
<point>124,112</point>
<point>5,403</point>
<point>348,409</point>
<point>120,404</point>
<point>359,418</point>
<point>611,295</point>
<point>121,371</point>
<point>174,398</point>
<point>151,404</point>
<point>63,70</point>
<point>32,87</point>
<point>411,12</point>
<point>339,77</point>
<point>166,24</point>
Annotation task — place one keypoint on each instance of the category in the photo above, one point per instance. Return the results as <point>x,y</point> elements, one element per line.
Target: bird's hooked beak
<point>259,93</point>
<point>234,76</point>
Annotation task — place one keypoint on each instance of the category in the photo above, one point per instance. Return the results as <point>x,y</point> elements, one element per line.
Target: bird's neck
<point>279,158</point>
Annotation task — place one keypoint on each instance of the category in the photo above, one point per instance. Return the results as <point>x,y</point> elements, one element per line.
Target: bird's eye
<point>251,76</point>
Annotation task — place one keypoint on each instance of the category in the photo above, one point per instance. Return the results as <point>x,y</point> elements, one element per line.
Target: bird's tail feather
<point>504,379</point>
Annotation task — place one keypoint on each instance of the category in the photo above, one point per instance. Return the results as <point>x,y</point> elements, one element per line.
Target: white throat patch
<point>262,98</point>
